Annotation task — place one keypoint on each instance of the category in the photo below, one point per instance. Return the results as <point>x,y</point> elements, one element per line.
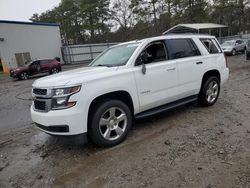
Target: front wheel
<point>110,123</point>
<point>210,91</point>
<point>24,76</point>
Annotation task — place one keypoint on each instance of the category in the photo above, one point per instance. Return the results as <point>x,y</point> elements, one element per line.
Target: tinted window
<point>180,48</point>
<point>44,62</point>
<point>156,52</point>
<point>211,46</point>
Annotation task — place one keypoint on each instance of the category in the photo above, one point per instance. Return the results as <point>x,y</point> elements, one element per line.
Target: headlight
<point>61,96</point>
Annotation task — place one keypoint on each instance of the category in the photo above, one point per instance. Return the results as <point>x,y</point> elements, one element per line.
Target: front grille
<point>40,91</point>
<point>40,105</point>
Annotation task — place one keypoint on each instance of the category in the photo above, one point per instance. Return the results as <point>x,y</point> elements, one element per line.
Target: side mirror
<point>143,69</point>
<point>143,58</point>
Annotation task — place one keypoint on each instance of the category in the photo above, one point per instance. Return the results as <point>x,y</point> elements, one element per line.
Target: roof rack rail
<point>187,34</point>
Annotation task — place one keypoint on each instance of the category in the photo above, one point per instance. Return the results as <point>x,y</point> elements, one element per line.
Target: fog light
<point>61,101</point>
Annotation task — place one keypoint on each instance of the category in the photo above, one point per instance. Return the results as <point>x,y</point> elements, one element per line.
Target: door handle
<point>171,69</point>
<point>198,63</point>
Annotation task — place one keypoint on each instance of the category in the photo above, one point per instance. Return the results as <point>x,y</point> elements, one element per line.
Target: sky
<point>22,10</point>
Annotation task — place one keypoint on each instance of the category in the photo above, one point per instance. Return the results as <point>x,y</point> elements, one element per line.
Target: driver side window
<point>155,52</point>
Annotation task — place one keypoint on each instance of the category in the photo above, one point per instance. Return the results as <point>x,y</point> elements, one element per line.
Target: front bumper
<point>14,74</point>
<point>71,121</point>
<point>227,51</point>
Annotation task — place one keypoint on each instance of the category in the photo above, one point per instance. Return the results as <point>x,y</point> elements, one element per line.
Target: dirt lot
<point>187,147</point>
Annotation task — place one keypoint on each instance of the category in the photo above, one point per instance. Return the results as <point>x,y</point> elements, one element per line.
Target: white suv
<point>129,81</point>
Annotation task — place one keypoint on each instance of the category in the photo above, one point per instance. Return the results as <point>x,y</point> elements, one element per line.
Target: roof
<point>30,23</point>
<point>180,28</point>
<point>171,36</point>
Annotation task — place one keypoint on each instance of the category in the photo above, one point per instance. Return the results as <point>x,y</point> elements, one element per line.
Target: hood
<point>19,69</point>
<point>71,77</point>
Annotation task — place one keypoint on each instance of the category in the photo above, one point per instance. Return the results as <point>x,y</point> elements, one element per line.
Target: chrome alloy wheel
<point>212,92</point>
<point>24,76</point>
<point>54,71</point>
<point>113,123</point>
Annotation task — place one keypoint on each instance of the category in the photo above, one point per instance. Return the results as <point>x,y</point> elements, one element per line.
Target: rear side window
<point>44,62</point>
<point>180,48</point>
<point>211,46</point>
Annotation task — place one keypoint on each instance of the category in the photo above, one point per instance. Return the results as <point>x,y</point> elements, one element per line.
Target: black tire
<point>95,129</point>
<point>54,70</point>
<point>24,76</point>
<point>203,98</point>
<point>244,50</point>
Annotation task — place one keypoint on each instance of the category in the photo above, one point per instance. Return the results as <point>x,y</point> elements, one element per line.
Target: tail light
<point>226,60</point>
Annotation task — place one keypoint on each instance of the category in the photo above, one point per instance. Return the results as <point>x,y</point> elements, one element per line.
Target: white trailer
<point>23,41</point>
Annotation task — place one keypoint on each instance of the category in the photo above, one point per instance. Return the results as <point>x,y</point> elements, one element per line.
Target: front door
<point>158,84</point>
<point>34,68</point>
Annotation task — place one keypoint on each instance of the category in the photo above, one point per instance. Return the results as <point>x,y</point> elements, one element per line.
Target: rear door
<point>189,63</point>
<point>248,50</point>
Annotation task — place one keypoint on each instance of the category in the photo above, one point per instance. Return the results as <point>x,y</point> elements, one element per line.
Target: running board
<point>166,107</point>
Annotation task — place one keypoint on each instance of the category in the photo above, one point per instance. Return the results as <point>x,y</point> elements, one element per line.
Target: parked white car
<point>232,47</point>
<point>129,81</point>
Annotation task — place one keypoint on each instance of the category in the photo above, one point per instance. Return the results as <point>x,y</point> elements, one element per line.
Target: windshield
<point>115,56</point>
<point>228,43</point>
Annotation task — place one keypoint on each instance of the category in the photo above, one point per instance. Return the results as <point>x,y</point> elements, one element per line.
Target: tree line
<point>95,21</point>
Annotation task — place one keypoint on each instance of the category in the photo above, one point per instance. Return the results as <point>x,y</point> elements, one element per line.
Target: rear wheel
<point>24,76</point>
<point>210,91</point>
<point>54,70</point>
<point>110,123</point>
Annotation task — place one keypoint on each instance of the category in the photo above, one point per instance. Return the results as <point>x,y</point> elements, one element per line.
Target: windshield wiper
<point>101,65</point>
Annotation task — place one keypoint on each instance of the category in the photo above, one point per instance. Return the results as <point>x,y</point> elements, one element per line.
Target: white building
<point>22,41</point>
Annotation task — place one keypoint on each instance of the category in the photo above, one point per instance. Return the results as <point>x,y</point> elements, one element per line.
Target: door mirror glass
<point>143,69</point>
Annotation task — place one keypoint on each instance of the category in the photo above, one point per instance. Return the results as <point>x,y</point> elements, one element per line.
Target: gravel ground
<point>187,147</point>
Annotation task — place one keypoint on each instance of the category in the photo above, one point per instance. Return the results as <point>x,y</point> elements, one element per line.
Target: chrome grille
<point>40,92</point>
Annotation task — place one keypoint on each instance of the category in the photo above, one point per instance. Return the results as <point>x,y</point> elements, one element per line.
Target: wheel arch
<point>121,95</point>
<point>209,73</point>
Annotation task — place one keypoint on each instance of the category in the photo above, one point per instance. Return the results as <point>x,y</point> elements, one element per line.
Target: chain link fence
<point>74,54</point>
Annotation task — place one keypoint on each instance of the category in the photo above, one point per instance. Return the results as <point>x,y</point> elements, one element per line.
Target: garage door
<point>21,58</point>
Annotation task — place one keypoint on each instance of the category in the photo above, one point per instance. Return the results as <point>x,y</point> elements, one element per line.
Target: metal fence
<point>85,53</point>
<point>243,37</point>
